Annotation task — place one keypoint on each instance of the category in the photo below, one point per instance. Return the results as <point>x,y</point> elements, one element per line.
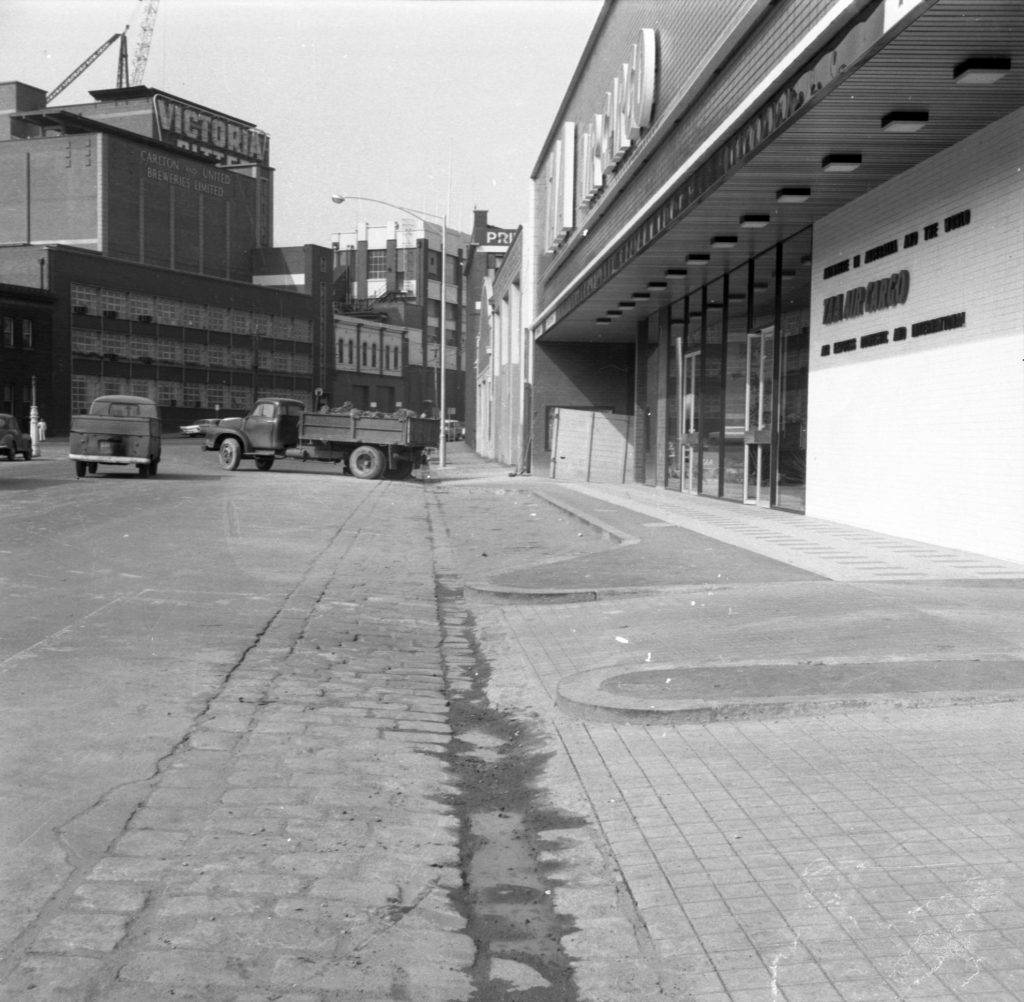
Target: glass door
<point>757,430</point>
<point>689,434</point>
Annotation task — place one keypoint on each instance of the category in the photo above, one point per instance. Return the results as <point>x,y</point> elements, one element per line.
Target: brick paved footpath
<point>871,855</point>
<point>295,845</point>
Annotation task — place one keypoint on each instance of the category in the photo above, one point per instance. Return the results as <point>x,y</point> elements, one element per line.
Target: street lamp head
<point>337,199</point>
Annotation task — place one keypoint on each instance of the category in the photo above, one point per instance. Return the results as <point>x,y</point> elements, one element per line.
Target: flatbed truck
<point>369,444</point>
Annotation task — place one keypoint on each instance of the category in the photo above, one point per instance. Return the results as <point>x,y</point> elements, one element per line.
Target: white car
<point>200,428</point>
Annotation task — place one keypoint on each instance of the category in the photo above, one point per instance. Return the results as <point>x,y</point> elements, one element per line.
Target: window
<point>240,321</point>
<point>84,299</point>
<point>168,311</point>
<point>218,354</point>
<point>8,332</point>
<point>215,395</point>
<point>115,344</point>
<point>81,396</point>
<point>195,354</point>
<point>376,264</point>
<point>142,347</point>
<point>114,301</point>
<point>194,315</point>
<point>218,318</point>
<point>85,342</point>
<point>169,351</point>
<point>26,333</point>
<point>140,306</point>
<point>167,393</point>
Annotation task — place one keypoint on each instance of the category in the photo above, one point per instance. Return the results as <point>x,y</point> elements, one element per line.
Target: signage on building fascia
<point>560,216</point>
<point>192,127</point>
<point>497,241</point>
<point>731,151</point>
<point>605,141</point>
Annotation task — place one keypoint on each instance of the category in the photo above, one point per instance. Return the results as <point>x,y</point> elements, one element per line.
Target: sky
<point>441,106</point>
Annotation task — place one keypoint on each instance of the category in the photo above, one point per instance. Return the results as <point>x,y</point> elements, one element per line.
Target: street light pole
<point>441,360</point>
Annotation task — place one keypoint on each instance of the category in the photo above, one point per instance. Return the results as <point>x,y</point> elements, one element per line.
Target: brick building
<point>142,215</point>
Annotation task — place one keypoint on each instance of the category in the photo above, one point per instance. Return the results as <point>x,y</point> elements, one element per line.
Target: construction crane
<point>145,37</point>
<point>122,65</point>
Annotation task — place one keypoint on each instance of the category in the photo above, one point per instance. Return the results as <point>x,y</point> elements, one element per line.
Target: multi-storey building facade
<point>777,250</point>
<point>388,285</point>
<point>144,216</point>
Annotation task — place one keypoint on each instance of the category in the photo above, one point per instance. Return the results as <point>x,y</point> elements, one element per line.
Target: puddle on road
<point>507,899</point>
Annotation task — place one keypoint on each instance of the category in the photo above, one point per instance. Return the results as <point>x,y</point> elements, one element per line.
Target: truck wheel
<point>79,469</point>
<point>230,453</point>
<point>264,462</point>
<point>93,467</point>
<point>27,454</point>
<point>366,462</point>
<point>142,469</point>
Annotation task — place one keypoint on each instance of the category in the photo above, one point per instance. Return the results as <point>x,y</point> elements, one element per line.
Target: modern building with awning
<point>776,258</point>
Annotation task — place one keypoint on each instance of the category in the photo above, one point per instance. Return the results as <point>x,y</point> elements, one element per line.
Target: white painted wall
<point>924,438</point>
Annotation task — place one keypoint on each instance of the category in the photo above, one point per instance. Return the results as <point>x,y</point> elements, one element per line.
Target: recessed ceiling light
<point>736,297</point>
<point>981,70</point>
<point>614,313</point>
<point>602,320</point>
<point>754,222</point>
<point>699,259</point>
<point>792,194</point>
<point>904,121</point>
<point>627,304</point>
<point>841,163</point>
<point>723,241</point>
<point>787,274</point>
<point>675,273</point>
<point>641,295</point>
<point>760,287</point>
<point>657,285</point>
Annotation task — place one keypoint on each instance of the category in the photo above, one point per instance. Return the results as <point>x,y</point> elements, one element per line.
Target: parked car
<point>200,428</point>
<point>12,439</point>
<point>119,430</point>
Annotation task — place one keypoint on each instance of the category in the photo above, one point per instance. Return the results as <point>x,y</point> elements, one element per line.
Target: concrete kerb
<point>517,593</point>
<point>628,694</point>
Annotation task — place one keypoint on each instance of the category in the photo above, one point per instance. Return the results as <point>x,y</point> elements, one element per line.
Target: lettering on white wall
<point>887,292</point>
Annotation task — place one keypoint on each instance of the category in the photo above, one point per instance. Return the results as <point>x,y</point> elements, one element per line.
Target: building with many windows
<point>146,219</point>
<point>775,260</point>
<point>388,284</point>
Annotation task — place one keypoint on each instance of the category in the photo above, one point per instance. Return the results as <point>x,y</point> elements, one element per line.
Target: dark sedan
<point>13,441</point>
